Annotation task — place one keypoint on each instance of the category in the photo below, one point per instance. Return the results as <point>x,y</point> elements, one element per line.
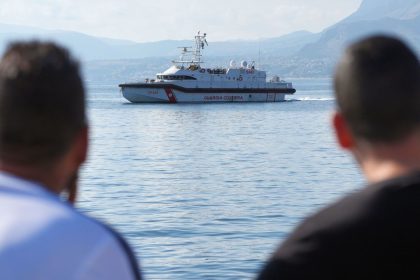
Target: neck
<point>386,161</point>
<point>47,176</point>
<point>384,170</point>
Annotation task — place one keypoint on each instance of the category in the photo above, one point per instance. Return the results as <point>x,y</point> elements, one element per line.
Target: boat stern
<point>142,93</point>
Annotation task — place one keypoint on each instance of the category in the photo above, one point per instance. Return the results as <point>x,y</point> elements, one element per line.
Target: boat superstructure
<point>186,81</point>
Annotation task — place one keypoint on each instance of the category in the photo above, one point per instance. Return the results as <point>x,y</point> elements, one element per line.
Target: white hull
<point>170,95</point>
<point>188,82</point>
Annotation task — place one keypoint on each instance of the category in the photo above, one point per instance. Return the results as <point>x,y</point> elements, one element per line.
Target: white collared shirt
<point>42,237</point>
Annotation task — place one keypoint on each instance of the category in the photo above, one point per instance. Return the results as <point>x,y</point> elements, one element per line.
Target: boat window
<point>176,77</point>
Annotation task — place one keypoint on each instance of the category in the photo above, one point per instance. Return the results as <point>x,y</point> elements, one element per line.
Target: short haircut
<point>377,88</point>
<point>42,102</point>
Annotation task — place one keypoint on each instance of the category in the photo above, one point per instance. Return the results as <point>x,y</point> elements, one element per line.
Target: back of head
<point>42,103</point>
<point>377,87</point>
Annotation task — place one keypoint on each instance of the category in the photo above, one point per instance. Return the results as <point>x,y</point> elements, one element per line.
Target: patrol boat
<point>186,81</point>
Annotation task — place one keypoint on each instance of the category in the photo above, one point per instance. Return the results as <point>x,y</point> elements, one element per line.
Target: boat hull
<point>175,94</point>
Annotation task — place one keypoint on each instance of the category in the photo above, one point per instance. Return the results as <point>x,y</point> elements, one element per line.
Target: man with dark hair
<point>374,233</point>
<point>43,142</point>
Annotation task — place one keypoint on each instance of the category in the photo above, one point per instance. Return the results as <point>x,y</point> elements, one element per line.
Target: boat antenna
<point>259,53</point>
<point>200,42</point>
<point>194,53</point>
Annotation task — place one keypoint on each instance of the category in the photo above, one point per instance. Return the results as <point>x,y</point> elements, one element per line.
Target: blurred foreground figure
<point>374,233</point>
<point>43,142</point>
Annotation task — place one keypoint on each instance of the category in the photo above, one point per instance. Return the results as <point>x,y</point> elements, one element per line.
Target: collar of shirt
<point>13,183</point>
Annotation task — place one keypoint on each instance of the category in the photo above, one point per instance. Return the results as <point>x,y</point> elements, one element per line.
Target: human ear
<point>342,131</point>
<point>78,157</point>
<point>81,144</point>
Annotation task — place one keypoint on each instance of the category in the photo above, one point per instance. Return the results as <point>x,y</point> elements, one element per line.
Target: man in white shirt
<point>43,142</point>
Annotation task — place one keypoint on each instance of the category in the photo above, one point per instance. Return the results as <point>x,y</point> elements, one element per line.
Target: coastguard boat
<point>186,81</point>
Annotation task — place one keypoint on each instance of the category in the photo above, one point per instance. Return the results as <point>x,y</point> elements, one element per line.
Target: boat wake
<point>312,99</point>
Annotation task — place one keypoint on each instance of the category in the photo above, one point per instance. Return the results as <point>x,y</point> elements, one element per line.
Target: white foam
<point>310,98</point>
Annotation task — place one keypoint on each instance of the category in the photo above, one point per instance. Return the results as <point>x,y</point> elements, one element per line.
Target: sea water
<point>208,191</point>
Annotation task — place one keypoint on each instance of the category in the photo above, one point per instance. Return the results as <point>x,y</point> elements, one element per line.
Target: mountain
<point>282,46</point>
<point>377,9</point>
<point>400,18</point>
<point>90,48</point>
<point>299,54</point>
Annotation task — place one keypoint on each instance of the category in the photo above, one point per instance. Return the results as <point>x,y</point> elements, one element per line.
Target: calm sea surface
<point>208,191</point>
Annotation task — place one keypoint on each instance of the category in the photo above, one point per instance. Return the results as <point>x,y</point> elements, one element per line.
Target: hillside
<point>394,17</point>
<point>299,54</point>
<point>90,48</point>
<point>377,9</point>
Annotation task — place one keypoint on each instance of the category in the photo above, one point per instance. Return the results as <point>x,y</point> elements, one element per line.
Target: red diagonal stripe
<point>170,94</point>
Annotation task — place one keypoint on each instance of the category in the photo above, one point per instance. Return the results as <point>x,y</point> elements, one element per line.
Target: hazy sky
<point>151,20</point>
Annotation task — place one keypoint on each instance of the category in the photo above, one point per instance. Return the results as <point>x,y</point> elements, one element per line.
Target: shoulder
<point>93,249</point>
<point>61,239</point>
<point>111,254</point>
<point>328,225</point>
<point>371,227</point>
<point>361,214</point>
<point>36,223</point>
<point>125,249</point>
<point>308,251</point>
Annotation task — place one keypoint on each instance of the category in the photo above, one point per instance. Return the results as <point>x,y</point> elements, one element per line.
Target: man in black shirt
<point>375,233</point>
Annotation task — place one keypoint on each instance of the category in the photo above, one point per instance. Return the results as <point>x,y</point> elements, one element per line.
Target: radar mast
<point>193,56</point>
